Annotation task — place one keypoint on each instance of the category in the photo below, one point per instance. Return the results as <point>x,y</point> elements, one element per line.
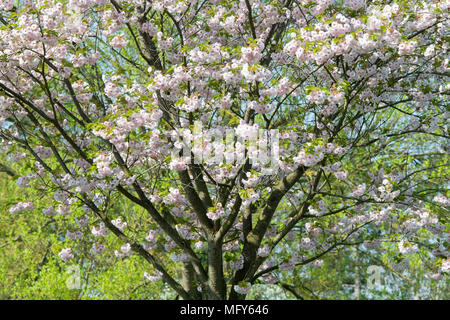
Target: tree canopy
<point>217,146</point>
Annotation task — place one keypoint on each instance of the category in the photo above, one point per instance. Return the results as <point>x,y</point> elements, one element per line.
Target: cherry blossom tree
<point>162,104</point>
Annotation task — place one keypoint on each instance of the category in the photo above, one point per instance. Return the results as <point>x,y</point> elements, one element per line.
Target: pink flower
<point>216,213</point>
<point>98,248</point>
<point>66,254</point>
<point>100,231</point>
<point>21,206</point>
<point>153,278</point>
<point>119,41</point>
<point>264,251</point>
<point>178,164</point>
<point>251,55</point>
<point>341,175</point>
<point>242,288</point>
<point>119,224</point>
<point>112,90</point>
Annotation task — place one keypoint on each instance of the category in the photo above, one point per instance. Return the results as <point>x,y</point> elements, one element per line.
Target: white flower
<point>341,175</point>
<point>216,213</point>
<point>98,248</point>
<point>22,206</point>
<point>66,254</point>
<point>157,275</point>
<point>178,164</point>
<point>359,190</point>
<point>264,251</point>
<point>445,266</point>
<point>406,248</point>
<point>100,231</point>
<point>238,265</point>
<point>242,289</point>
<point>119,224</point>
<point>125,251</point>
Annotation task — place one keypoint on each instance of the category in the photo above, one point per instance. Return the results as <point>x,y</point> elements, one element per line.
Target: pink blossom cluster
<point>22,206</point>
<point>66,254</point>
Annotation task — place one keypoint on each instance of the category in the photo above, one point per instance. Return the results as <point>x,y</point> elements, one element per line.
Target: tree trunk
<point>188,280</point>
<point>216,288</point>
<point>357,276</point>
